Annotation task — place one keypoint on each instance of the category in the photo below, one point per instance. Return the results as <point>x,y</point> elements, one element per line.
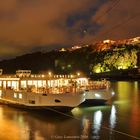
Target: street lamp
<point>50,74</point>
<point>78,74</point>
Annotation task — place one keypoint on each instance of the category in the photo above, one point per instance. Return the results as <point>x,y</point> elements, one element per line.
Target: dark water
<point>120,120</point>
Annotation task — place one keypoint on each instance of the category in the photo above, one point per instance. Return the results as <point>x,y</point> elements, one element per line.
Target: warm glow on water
<point>117,121</point>
<point>10,128</point>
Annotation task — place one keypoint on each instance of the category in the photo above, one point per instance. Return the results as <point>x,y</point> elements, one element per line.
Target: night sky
<point>33,25</point>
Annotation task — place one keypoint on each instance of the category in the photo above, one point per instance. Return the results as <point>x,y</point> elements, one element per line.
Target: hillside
<point>99,57</point>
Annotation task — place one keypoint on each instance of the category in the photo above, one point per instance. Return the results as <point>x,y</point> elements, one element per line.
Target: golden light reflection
<point>9,129</point>
<point>124,89</point>
<point>136,86</point>
<point>135,113</point>
<point>86,126</point>
<point>38,136</point>
<point>77,111</point>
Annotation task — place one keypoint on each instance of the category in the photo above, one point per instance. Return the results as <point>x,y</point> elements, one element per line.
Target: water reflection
<point>85,126</point>
<point>97,120</point>
<point>123,89</point>
<point>25,125</point>
<point>113,117</point>
<point>92,123</point>
<point>125,111</point>
<point>135,86</point>
<point>9,128</point>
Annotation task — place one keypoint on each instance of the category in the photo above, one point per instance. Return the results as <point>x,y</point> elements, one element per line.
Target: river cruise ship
<point>47,90</point>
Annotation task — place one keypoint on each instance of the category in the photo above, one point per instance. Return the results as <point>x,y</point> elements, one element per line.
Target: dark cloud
<point>25,24</point>
<point>126,15</point>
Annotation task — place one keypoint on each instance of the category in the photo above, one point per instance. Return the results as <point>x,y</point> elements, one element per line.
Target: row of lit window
<point>55,76</point>
<point>63,76</point>
<point>37,75</point>
<point>18,95</point>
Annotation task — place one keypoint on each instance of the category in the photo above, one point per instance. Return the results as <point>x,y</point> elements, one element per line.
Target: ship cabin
<point>23,80</point>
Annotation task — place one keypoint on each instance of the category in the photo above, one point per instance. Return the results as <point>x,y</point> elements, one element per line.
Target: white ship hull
<point>98,96</point>
<point>40,91</point>
<point>39,100</point>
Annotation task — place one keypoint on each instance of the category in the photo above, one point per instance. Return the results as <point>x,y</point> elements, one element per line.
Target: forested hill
<point>86,59</point>
<point>56,61</point>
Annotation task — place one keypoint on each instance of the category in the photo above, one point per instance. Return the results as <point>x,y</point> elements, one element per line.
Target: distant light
<point>119,67</point>
<point>97,95</point>
<point>97,70</point>
<point>63,67</point>
<point>84,31</point>
<point>107,41</point>
<point>62,50</point>
<point>49,73</point>
<point>122,67</point>
<point>71,76</point>
<point>78,73</point>
<point>113,93</point>
<point>69,65</point>
<point>125,67</point>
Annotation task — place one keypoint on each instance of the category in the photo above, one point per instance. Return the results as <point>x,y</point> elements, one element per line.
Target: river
<point>118,120</point>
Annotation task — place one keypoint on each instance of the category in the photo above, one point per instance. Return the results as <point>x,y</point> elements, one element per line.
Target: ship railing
<point>53,90</point>
<point>62,90</point>
<point>95,85</point>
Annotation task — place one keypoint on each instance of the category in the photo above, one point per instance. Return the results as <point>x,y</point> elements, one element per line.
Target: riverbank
<point>118,75</point>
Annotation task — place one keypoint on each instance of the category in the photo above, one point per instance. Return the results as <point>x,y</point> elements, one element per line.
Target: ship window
<point>9,83</point>
<point>4,84</point>
<point>49,83</point>
<point>86,90</point>
<point>23,84</point>
<point>35,83</point>
<point>30,82</point>
<point>44,83</point>
<point>31,101</point>
<point>14,84</point>
<point>20,96</point>
<point>15,95</point>
<point>57,101</point>
<point>39,83</point>
<point>44,94</point>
